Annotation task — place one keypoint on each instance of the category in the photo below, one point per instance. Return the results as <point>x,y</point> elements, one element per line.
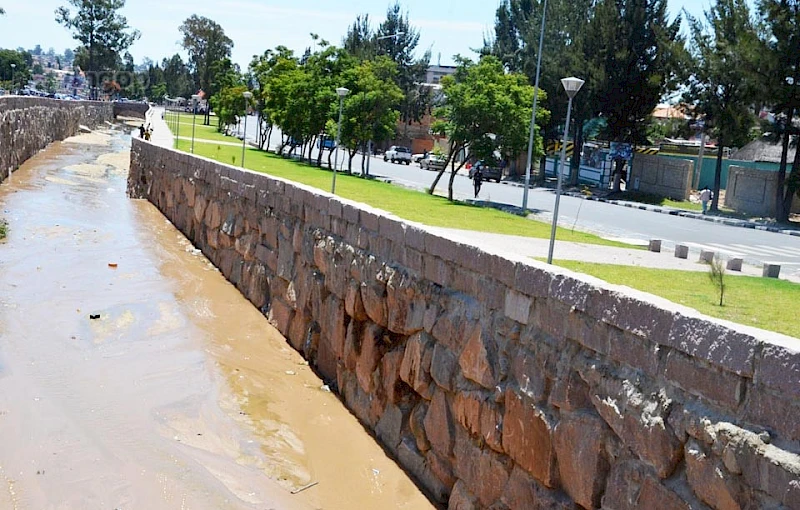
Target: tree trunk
<point>330,155</point>
<point>540,177</point>
<point>575,164</point>
<point>453,151</point>
<point>792,183</point>
<point>364,156</point>
<point>352,154</point>
<point>319,156</point>
<point>207,116</point>
<point>453,173</point>
<point>781,213</point>
<point>717,176</point>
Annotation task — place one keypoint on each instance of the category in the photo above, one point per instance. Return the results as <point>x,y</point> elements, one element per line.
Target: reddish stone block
<point>390,376</point>
<point>439,426</point>
<point>416,365</point>
<point>467,410</point>
<point>522,492</point>
<point>527,438</point>
<point>373,297</point>
<point>213,217</point>
<point>405,305</point>
<point>298,330</point>
<point>416,423</point>
<point>645,434</point>
<point>461,499</point>
<point>280,315</point>
<point>478,360</point>
<point>570,393</point>
<point>710,481</point>
<point>370,356</point>
<point>580,441</point>
<point>655,495</point>
<point>333,325</point>
<point>353,305</point>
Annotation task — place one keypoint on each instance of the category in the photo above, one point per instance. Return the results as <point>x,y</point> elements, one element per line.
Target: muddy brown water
<point>181,395</point>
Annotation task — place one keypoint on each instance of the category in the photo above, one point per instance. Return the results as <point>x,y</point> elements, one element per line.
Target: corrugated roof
<point>762,150</point>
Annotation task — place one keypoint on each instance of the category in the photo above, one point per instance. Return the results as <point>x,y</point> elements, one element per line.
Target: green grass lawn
<point>759,302</point>
<point>201,132</point>
<point>405,203</point>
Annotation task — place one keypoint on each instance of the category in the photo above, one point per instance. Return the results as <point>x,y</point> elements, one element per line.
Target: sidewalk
<point>161,136</point>
<point>537,248</point>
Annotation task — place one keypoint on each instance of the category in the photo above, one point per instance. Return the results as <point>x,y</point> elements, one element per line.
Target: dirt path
<point>180,395</point>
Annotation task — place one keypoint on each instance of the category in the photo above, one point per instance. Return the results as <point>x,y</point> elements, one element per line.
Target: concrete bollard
<point>771,271</point>
<point>655,245</point>
<point>734,264</point>
<point>707,256</point>
<point>681,251</point>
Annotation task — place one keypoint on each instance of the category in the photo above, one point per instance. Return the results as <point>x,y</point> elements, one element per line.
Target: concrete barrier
<point>734,264</point>
<point>707,256</point>
<point>655,245</point>
<point>771,270</point>
<point>496,380</point>
<point>681,251</point>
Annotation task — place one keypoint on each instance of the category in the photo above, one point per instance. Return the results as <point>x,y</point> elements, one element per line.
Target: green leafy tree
<point>723,84</point>
<point>360,40</point>
<point>14,77</point>
<point>102,31</point>
<point>780,74</point>
<point>263,69</point>
<point>370,111</point>
<point>230,104</point>
<point>486,111</point>
<point>207,45</point>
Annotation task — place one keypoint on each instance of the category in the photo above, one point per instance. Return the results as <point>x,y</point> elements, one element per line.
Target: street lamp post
<point>13,68</point>
<point>195,98</point>
<point>341,92</point>
<point>571,86</point>
<point>533,114</point>
<point>178,127</point>
<point>247,95</point>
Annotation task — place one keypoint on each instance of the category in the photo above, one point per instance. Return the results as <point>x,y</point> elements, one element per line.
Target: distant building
<point>434,74</point>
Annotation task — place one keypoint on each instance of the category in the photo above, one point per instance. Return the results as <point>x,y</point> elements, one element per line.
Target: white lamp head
<point>341,91</point>
<point>572,85</point>
<point>247,94</point>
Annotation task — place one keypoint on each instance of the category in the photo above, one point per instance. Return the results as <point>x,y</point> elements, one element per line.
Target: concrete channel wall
<point>498,382</point>
<point>28,125</point>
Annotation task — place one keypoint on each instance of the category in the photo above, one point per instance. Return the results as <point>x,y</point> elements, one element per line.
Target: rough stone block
<point>416,365</point>
<point>710,481</point>
<point>369,357</point>
<point>734,264</point>
<point>639,421</point>
<point>390,376</point>
<point>478,360</point>
<point>696,377</point>
<point>353,305</point>
<point>416,422</point>
<point>405,304</point>
<point>461,499</point>
<point>518,306</point>
<point>654,245</point>
<point>771,271</point>
<point>527,438</point>
<point>373,296</point>
<point>706,256</point>
<point>443,366</point>
<point>439,425</point>
<point>390,426</point>
<point>580,442</point>
<point>280,315</point>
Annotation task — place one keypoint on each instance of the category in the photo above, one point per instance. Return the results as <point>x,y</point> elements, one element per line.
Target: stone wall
<point>28,125</point>
<point>752,191</point>
<point>666,177</point>
<point>134,109</point>
<point>498,382</point>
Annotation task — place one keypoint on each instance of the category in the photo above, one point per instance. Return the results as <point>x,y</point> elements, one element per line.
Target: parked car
<point>490,173</point>
<point>416,158</point>
<point>326,142</point>
<point>432,162</point>
<point>398,154</point>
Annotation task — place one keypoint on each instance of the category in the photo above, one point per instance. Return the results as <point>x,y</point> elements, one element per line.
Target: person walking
<point>477,178</point>
<point>141,131</point>
<point>705,196</point>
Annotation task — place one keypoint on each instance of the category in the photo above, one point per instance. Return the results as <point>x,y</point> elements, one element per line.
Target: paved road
<point>756,247</point>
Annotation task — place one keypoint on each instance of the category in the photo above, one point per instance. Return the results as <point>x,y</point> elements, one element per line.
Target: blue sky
<point>447,27</point>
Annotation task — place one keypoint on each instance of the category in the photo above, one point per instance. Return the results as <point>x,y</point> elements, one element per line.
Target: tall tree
<point>103,32</point>
<point>360,39</point>
<point>781,81</point>
<point>397,39</point>
<point>14,77</point>
<point>207,44</point>
<point>639,51</point>
<point>487,111</point>
<point>723,84</point>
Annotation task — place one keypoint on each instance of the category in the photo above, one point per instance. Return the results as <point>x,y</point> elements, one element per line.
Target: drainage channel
<point>133,375</point>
